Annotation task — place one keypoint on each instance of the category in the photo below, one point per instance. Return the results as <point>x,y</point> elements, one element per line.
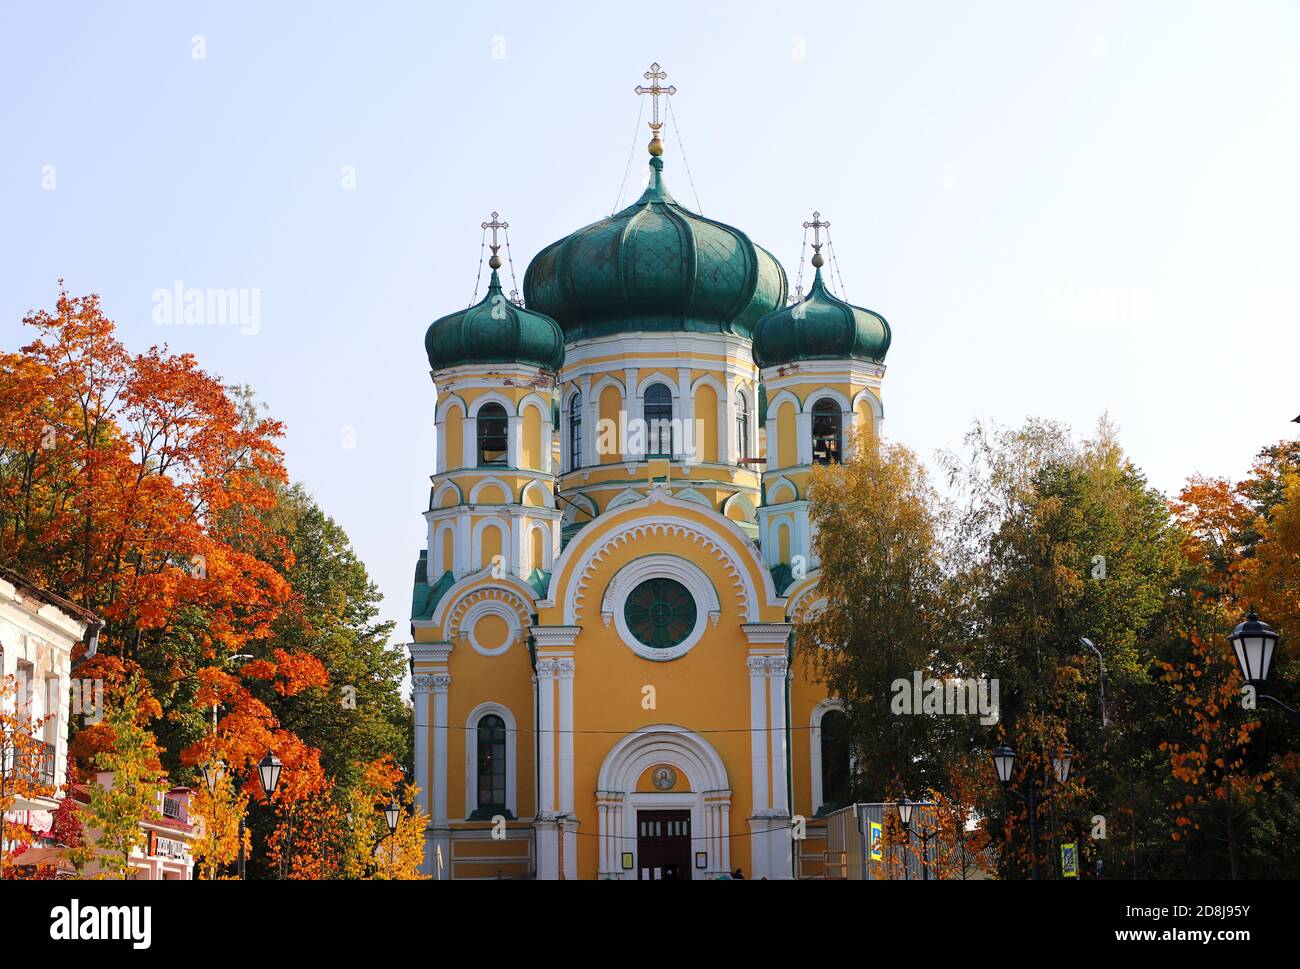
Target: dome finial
<point>494,225</point>
<point>654,76</point>
<point>817,225</point>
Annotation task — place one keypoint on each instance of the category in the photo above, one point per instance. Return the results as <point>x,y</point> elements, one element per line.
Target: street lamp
<point>268,772</point>
<point>392,814</point>
<point>1061,765</point>
<point>905,811</point>
<point>1254,642</point>
<point>1004,761</point>
<point>212,772</point>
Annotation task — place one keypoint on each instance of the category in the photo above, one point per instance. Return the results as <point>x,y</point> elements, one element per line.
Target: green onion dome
<point>820,327</point>
<point>495,330</point>
<point>655,266</point>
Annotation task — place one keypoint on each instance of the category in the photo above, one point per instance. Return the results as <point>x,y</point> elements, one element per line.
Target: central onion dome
<point>655,266</point>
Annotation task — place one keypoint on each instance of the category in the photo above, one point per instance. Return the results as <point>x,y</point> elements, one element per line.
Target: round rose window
<point>660,613</point>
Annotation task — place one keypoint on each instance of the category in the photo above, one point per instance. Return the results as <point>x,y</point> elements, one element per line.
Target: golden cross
<point>816,225</point>
<point>494,225</point>
<point>654,76</point>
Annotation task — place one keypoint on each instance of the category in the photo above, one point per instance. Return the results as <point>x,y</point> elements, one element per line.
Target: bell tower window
<point>826,437</point>
<point>492,435</point>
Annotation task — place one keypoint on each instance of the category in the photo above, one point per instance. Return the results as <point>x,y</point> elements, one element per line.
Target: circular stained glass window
<point>660,613</point>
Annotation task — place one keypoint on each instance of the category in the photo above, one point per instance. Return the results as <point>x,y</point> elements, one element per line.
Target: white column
<point>422,689</point>
<point>564,674</point>
<point>685,411</point>
<point>758,731</point>
<point>464,547</point>
<point>514,441</point>
<point>469,442</point>
<point>803,428</point>
<point>728,446</point>
<point>777,670</point>
<point>440,447</point>
<point>441,683</point>
<point>546,735</point>
<point>517,554</point>
<point>771,449</point>
<point>589,419</point>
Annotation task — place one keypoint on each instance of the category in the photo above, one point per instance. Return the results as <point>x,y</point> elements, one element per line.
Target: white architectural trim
<point>492,397</point>
<point>490,607</point>
<point>709,799</point>
<point>626,579</point>
<point>471,756</point>
<point>493,482</point>
<point>815,748</point>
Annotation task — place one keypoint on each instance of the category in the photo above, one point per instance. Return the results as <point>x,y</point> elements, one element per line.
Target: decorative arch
<point>629,496</point>
<point>664,743</point>
<point>441,411</point>
<point>539,490</point>
<point>571,508</point>
<point>776,494</point>
<point>708,800</point>
<point>721,537</point>
<point>690,494</point>
<point>813,396</point>
<point>440,493</point>
<point>488,483</point>
<point>470,588</point>
<point>815,749</point>
<point>659,377</point>
<point>783,397</point>
<point>492,397</point>
<point>480,529</point>
<point>740,502</point>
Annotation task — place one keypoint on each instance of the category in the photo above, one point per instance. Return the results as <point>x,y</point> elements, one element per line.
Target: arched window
<point>835,759</point>
<point>492,763</point>
<point>575,432</point>
<point>742,427</point>
<point>658,421</point>
<point>826,420</point>
<point>493,429</point>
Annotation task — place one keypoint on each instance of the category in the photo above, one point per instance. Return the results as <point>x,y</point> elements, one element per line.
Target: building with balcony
<point>38,631</point>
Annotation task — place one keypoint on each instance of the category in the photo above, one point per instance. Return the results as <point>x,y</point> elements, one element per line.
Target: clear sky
<point>1062,209</point>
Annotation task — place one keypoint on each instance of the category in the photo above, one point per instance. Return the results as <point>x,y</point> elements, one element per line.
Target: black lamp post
<point>905,807</point>
<point>392,814</point>
<point>268,775</point>
<point>905,819</point>
<point>1004,762</point>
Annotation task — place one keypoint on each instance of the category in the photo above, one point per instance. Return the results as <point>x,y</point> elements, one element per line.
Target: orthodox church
<point>618,548</point>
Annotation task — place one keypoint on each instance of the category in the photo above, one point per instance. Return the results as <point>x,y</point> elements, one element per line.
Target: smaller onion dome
<point>820,327</point>
<point>495,330</point>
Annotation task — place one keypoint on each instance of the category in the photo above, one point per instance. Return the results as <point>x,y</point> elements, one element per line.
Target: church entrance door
<point>663,845</point>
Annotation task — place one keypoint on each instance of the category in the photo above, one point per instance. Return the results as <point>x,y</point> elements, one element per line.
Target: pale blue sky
<point>1060,208</point>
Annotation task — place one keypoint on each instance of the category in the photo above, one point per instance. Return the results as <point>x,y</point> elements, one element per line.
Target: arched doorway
<point>686,825</point>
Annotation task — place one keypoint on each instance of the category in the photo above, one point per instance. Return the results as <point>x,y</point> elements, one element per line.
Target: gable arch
<point>823,393</point>
<point>492,397</point>
<point>476,494</point>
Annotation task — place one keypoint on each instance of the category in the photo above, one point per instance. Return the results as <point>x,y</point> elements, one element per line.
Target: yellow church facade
<point>618,548</point>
